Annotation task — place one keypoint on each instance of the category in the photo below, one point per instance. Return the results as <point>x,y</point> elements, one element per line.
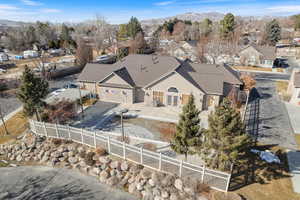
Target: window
<point>175,101</point>
<point>169,100</point>
<point>172,89</point>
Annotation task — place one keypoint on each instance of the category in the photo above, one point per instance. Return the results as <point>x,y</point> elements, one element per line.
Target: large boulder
<point>115,165</point>
<point>104,160</point>
<point>72,160</point>
<point>132,188</point>
<point>145,174</point>
<point>112,181</point>
<point>19,158</point>
<point>104,176</point>
<point>168,180</point>
<point>178,184</point>
<point>124,166</point>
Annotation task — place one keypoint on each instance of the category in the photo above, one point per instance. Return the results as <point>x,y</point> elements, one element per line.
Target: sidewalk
<point>294,115</point>
<point>10,115</point>
<point>294,166</point>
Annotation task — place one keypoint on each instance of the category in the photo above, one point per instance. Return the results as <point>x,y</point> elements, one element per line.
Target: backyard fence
<point>158,161</point>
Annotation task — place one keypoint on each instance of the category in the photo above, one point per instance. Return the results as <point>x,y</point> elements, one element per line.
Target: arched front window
<point>172,89</point>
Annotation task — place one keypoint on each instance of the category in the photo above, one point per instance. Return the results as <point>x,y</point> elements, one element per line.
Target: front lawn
<point>272,181</point>
<point>281,88</point>
<point>297,136</point>
<point>15,126</point>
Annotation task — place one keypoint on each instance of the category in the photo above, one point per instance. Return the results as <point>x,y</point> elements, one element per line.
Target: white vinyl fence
<point>157,161</point>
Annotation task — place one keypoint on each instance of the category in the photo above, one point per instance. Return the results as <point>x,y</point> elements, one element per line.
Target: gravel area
<point>33,183</point>
<point>275,126</point>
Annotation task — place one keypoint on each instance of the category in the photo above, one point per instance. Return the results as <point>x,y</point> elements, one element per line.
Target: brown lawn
<point>297,136</point>
<point>15,126</point>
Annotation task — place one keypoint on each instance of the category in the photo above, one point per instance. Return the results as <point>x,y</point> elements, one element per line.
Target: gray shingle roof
<point>94,72</point>
<point>141,70</point>
<point>268,52</point>
<point>208,78</point>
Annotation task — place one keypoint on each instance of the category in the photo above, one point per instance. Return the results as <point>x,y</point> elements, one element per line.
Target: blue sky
<point>119,11</point>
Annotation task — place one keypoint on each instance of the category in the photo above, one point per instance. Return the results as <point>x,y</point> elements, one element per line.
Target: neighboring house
<point>261,56</point>
<point>3,57</point>
<point>184,50</point>
<point>294,87</point>
<point>30,54</point>
<point>159,81</point>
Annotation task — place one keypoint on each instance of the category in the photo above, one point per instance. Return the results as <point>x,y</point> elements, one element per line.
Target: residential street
<point>53,183</point>
<point>274,123</point>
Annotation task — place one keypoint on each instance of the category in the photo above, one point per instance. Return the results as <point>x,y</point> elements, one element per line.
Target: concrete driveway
<point>95,115</point>
<point>35,182</point>
<point>274,124</point>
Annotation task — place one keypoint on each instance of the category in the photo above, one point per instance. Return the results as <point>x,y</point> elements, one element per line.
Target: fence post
<point>159,165</point>
<point>124,150</point>
<point>180,168</point>
<point>228,182</point>
<point>203,173</point>
<point>57,135</point>
<point>45,129</point>
<point>108,144</point>
<point>81,135</point>
<point>69,132</point>
<point>95,141</point>
<point>141,153</point>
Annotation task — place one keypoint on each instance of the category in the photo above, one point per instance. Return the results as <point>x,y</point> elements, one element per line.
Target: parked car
<point>2,71</point>
<point>70,85</point>
<point>56,92</point>
<point>30,54</point>
<point>281,63</point>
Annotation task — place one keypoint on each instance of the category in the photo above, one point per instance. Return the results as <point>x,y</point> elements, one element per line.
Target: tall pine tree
<point>188,131</point>
<point>31,92</point>
<point>225,141</point>
<point>273,31</point>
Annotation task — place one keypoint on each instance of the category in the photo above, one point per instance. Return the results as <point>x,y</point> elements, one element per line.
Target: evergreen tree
<point>188,131</point>
<point>206,27</point>
<point>31,92</point>
<point>133,27</point>
<point>296,19</point>
<point>225,141</point>
<point>273,31</point>
<point>227,25</point>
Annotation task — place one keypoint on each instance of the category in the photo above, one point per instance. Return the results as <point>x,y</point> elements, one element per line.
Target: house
<point>159,81</point>
<point>294,87</point>
<point>261,56</point>
<point>30,54</point>
<point>3,57</point>
<point>184,50</point>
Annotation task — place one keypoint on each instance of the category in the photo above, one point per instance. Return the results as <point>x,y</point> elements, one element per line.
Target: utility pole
<point>3,122</point>
<point>82,114</point>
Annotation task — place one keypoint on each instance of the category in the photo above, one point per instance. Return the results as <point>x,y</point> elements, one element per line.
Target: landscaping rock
<point>178,184</point>
<point>115,165</point>
<point>146,174</point>
<point>104,160</point>
<point>168,180</point>
<point>112,181</point>
<point>164,194</point>
<point>132,188</point>
<point>103,176</point>
<point>19,158</point>
<point>72,160</point>
<point>124,166</point>
<point>174,196</point>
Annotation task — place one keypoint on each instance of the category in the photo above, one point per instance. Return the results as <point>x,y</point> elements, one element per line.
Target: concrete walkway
<point>10,115</point>
<point>294,114</point>
<point>294,165</point>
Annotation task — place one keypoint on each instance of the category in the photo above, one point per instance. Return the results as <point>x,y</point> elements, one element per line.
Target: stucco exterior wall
<point>117,95</point>
<point>114,79</point>
<point>92,87</point>
<point>183,86</point>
